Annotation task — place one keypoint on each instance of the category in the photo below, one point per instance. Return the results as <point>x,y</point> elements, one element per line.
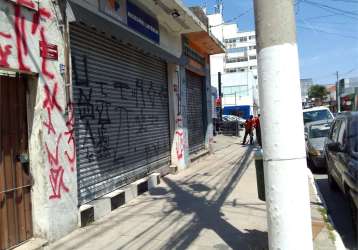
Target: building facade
<point>305,86</point>
<point>348,92</point>
<point>238,66</point>
<point>94,96</point>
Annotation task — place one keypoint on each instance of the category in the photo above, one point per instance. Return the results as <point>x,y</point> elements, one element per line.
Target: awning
<point>84,16</point>
<point>207,43</point>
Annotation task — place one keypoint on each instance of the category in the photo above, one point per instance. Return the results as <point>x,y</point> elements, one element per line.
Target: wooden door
<point>15,178</point>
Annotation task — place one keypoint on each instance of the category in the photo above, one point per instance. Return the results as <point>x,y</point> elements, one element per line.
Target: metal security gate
<point>195,111</point>
<point>121,110</point>
<point>15,180</point>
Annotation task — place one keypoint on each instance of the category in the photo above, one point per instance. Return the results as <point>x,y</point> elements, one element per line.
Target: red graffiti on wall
<point>49,124</point>
<point>70,123</point>
<point>5,51</point>
<point>180,144</point>
<point>21,43</point>
<point>50,101</point>
<point>51,90</point>
<point>26,3</point>
<point>42,12</point>
<point>5,35</point>
<point>56,172</point>
<point>4,55</point>
<point>45,72</point>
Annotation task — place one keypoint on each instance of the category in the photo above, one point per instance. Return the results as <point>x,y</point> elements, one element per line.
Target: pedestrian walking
<point>248,130</point>
<point>258,130</point>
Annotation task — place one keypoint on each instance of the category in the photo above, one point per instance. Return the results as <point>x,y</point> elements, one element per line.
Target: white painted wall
<point>54,193</point>
<point>242,79</point>
<point>218,64</point>
<point>179,134</point>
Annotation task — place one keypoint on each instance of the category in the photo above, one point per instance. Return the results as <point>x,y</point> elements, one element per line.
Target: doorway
<point>15,178</point>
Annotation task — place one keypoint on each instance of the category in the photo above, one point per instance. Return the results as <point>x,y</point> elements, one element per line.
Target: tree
<point>317,91</point>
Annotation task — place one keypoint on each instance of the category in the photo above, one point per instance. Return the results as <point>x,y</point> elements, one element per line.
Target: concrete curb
<point>338,240</point>
<point>32,244</point>
<point>102,206</point>
<point>196,156</point>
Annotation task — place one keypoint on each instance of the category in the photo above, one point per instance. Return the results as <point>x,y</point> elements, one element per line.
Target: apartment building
<point>238,66</point>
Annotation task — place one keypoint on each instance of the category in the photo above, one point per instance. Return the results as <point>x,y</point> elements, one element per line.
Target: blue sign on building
<point>141,22</point>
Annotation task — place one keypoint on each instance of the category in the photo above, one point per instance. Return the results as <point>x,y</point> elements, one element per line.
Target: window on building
<point>252,57</point>
<point>243,39</point>
<point>252,37</point>
<point>238,90</point>
<point>236,50</point>
<point>252,47</point>
<point>236,59</point>
<point>253,67</point>
<point>234,70</point>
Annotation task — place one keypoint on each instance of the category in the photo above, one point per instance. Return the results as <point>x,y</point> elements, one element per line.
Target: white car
<point>234,118</point>
<point>317,114</point>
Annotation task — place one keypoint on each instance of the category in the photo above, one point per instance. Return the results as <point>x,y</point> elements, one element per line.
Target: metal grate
<point>195,111</point>
<point>121,110</point>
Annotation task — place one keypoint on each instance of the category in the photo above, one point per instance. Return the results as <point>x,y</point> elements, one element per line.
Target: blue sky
<point>327,34</point>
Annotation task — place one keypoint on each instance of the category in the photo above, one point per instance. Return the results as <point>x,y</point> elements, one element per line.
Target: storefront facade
<point>97,98</point>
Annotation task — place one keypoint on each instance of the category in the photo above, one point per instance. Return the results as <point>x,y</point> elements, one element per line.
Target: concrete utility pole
<point>286,180</point>
<point>338,94</point>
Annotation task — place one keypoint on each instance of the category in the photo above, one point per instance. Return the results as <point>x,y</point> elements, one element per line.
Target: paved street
<point>338,209</point>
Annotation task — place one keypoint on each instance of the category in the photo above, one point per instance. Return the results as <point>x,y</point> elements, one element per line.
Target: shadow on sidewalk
<point>207,215</point>
<point>188,198</point>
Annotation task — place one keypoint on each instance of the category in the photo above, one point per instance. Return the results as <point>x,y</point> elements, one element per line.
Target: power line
<point>349,71</point>
<point>327,32</point>
<point>331,9</point>
<point>320,17</point>
<point>345,1</point>
<point>232,19</point>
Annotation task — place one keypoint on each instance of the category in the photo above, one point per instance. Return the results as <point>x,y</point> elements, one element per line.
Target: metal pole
<point>220,95</point>
<point>286,185</point>
<point>338,94</point>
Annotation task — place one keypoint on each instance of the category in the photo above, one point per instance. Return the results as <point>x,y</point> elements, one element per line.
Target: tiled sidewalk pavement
<point>211,205</point>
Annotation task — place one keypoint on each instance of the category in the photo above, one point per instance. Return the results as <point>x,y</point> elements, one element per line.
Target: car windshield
<point>353,135</point>
<point>318,131</point>
<point>317,115</point>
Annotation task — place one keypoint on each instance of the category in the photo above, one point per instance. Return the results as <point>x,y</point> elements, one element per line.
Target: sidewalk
<point>212,205</point>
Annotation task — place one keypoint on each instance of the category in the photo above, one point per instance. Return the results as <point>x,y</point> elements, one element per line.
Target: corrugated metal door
<point>121,110</point>
<point>15,180</point>
<point>195,111</point>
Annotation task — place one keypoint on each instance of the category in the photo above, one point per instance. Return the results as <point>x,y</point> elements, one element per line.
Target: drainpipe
<point>285,167</point>
<point>65,32</point>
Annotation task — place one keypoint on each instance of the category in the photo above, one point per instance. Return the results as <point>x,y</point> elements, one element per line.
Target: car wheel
<point>310,164</point>
<point>332,183</point>
<point>354,213</point>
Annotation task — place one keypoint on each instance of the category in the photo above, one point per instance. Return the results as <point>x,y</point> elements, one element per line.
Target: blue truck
<point>243,111</point>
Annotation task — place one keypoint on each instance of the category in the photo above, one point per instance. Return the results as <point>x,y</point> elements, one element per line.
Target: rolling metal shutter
<point>195,111</point>
<point>121,112</point>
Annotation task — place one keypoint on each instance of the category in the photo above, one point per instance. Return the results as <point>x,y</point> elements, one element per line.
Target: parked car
<point>317,114</point>
<point>316,135</point>
<point>341,152</point>
<point>234,118</point>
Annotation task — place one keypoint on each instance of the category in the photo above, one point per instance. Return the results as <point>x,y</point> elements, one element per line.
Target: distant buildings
<point>305,86</point>
<point>238,66</point>
<point>348,92</point>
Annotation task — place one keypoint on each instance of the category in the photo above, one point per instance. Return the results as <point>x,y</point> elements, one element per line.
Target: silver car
<point>316,134</point>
